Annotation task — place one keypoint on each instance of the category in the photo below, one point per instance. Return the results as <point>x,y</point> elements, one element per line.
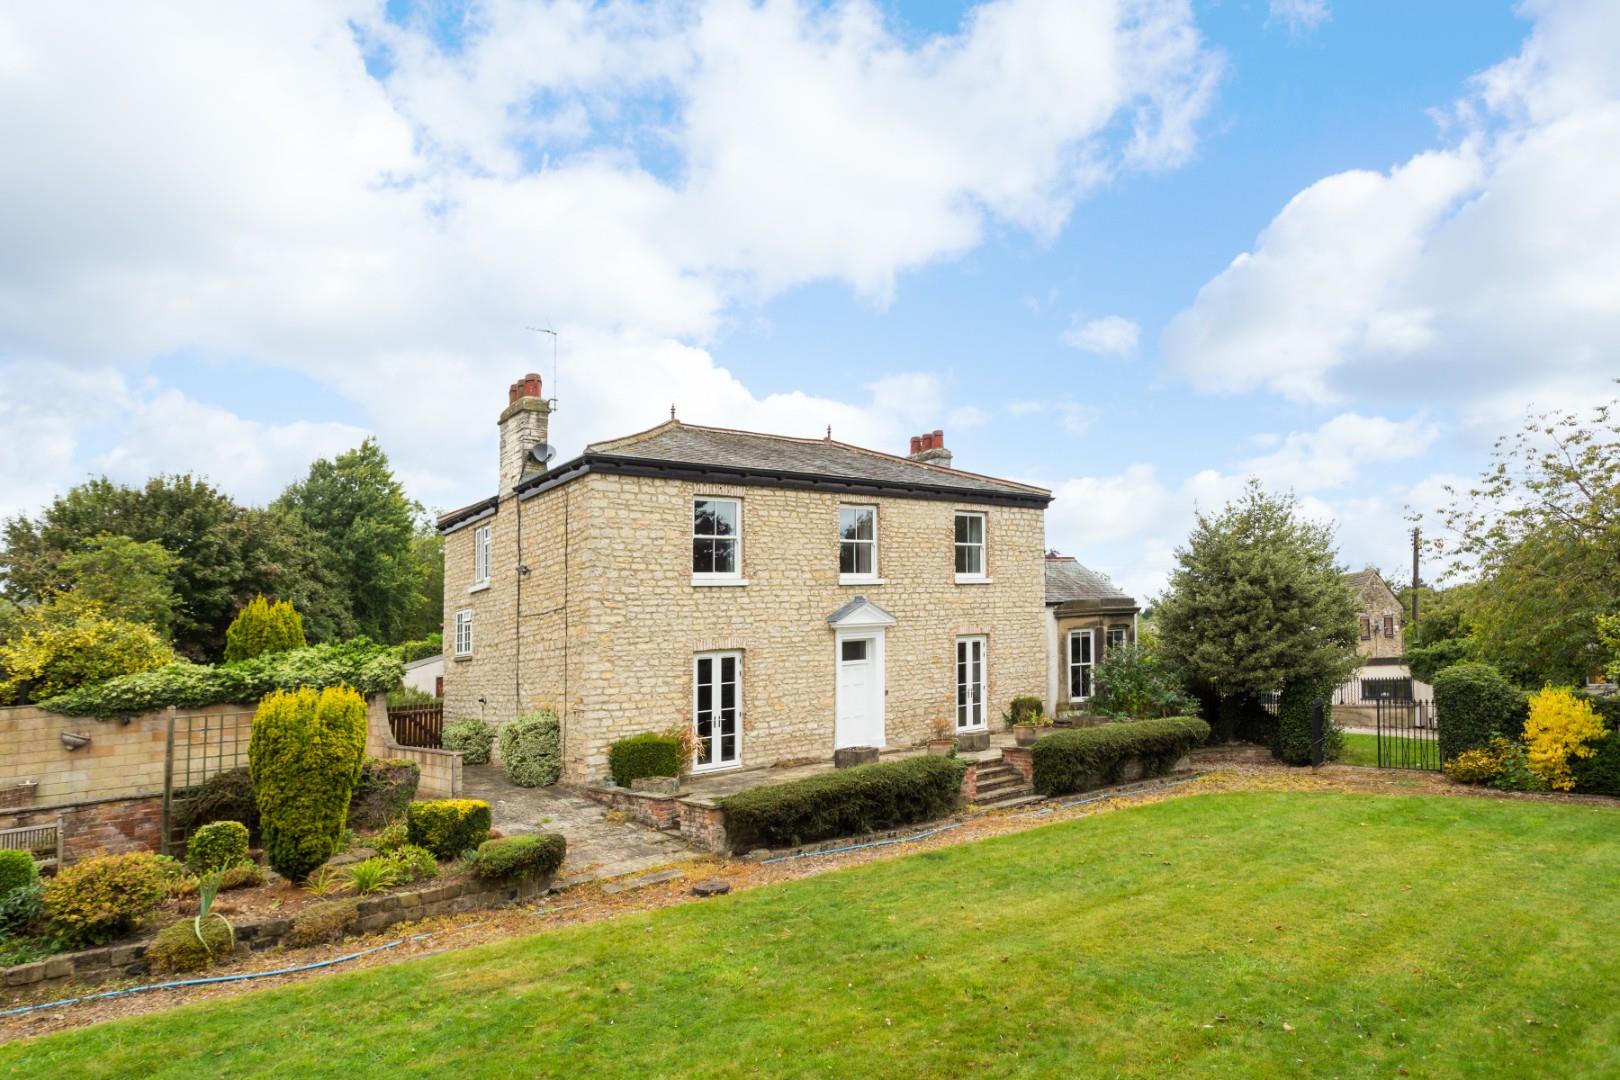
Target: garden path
<point>598,846</point>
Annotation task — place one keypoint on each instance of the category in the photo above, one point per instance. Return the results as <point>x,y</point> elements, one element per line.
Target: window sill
<point>860,579</point>
<point>718,581</point>
<point>461,657</point>
<point>974,579</point>
<point>479,587</point>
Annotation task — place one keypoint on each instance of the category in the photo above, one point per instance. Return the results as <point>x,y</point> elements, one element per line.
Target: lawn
<point>1237,935</point>
<point>1362,749</point>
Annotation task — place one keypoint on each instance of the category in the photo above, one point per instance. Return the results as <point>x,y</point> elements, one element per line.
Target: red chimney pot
<point>916,444</point>
<point>939,439</point>
<point>528,386</point>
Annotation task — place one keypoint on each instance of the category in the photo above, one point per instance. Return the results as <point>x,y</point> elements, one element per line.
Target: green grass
<point>1392,935</point>
<point>1362,749</point>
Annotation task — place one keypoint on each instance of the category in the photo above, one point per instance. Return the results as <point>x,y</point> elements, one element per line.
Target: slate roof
<point>1067,580</point>
<point>674,441</point>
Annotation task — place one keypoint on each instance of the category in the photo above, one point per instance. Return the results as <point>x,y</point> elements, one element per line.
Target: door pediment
<point>860,612</point>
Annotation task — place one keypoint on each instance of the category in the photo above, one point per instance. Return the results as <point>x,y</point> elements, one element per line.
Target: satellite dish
<point>542,453</point>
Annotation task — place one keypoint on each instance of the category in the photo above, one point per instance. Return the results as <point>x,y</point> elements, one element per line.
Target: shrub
<point>1513,772</point>
<point>1024,709</point>
<point>178,948</point>
<point>531,752</point>
<point>1600,773</point>
<point>513,858</point>
<point>385,788</point>
<point>59,646</point>
<point>226,796</point>
<point>1561,728</point>
<point>358,664</point>
<point>20,909</point>
<point>305,756</point>
<point>217,846</point>
<point>390,838</point>
<point>447,827</point>
<point>1473,702</point>
<point>1134,682</point>
<point>244,875</point>
<point>17,870</point>
<point>472,737</point>
<point>421,648</point>
<point>1068,761</point>
<point>845,802</point>
<point>90,902</point>
<point>401,696</point>
<point>1478,766</point>
<point>412,863</point>
<point>649,754</point>
<point>371,875</point>
<point>322,923</point>
<point>261,629</point>
<point>1293,740</point>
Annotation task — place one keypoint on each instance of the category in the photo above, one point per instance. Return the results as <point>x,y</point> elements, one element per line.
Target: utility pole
<point>1416,544</point>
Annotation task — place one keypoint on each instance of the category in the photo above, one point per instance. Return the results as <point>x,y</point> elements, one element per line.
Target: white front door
<point>860,691</point>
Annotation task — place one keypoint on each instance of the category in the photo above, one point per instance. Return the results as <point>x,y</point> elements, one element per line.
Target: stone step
<point>1011,776</point>
<point>1005,787</point>
<point>1003,804</point>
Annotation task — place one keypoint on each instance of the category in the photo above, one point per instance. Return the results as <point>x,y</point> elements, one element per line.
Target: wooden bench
<point>44,842</point>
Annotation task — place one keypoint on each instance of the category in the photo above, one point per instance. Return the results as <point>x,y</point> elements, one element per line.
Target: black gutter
<point>468,513</point>
<point>745,476</point>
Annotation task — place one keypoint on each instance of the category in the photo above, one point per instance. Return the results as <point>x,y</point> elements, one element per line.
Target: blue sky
<point>241,239</point>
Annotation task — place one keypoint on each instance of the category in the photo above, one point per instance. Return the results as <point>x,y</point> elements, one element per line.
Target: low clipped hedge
<point>846,802</point>
<point>358,664</point>
<point>471,737</point>
<point>649,754</point>
<point>218,845</point>
<point>1069,761</point>
<point>1473,702</point>
<point>531,749</point>
<point>447,827</point>
<point>518,858</point>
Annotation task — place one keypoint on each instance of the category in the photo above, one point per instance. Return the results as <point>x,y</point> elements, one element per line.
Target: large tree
<point>127,579</point>
<point>1257,603</point>
<point>1540,533</point>
<point>364,526</point>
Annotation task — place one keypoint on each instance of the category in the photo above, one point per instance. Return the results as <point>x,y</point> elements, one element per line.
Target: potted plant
<point>941,743</point>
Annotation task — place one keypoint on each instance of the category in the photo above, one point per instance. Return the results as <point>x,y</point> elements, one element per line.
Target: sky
<point>1133,251</point>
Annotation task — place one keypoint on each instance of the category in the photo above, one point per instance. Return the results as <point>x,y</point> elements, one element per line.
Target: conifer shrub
<point>17,870</point>
<point>531,749</point>
<point>262,628</point>
<point>217,846</point>
<point>305,757</point>
<point>846,802</point>
<point>1069,761</point>
<point>518,858</point>
<point>448,827</point>
<point>471,737</point>
<point>648,754</point>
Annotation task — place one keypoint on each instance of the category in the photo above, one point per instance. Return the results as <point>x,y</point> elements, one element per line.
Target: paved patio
<point>598,847</point>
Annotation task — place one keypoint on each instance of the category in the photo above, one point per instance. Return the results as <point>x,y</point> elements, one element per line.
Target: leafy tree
<point>1256,601</point>
<point>51,648</point>
<point>364,525</point>
<point>1540,530</point>
<point>128,579</point>
<point>262,628</point>
<point>426,615</point>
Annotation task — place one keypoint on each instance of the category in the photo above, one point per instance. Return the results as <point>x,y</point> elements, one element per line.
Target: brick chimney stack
<point>929,447</point>
<point>524,425</point>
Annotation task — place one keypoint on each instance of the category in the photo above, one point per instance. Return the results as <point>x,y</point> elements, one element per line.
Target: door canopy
<point>859,612</point>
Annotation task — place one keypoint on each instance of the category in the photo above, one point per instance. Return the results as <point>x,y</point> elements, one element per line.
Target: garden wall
<point>96,826</point>
<point>441,769</point>
<point>375,913</point>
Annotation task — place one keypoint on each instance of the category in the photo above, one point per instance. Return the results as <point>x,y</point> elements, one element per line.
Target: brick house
<point>1086,616</point>
<point>784,596</point>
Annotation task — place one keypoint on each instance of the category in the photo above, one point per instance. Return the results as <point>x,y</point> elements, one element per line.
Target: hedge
<point>472,737</point>
<point>358,664</point>
<point>1077,760</point>
<point>649,754</point>
<point>531,749</point>
<point>447,827</point>
<point>1600,773</point>
<point>1292,744</point>
<point>305,755</point>
<point>517,858</point>
<point>846,802</point>
<point>217,846</point>
<point>1472,702</point>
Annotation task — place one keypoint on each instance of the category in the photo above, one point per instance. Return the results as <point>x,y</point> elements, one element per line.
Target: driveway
<point>597,846</point>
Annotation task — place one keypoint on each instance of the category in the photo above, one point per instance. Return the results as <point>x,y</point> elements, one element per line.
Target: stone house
<point>1086,616</point>
<point>1379,618</point>
<point>784,597</point>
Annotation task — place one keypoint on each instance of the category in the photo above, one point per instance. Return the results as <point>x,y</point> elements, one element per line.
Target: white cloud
<point>1490,266</point>
<point>1300,15</point>
<point>1111,335</point>
<point>1334,454</point>
<point>233,181</point>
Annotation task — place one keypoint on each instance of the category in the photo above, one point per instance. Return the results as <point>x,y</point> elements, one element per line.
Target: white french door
<point>969,683</point>
<point>717,709</point>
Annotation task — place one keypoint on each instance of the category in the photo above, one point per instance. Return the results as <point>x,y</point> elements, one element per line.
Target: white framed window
<point>1081,660</point>
<point>969,546</point>
<point>717,709</point>
<point>464,632</point>
<point>481,556</point>
<point>857,543</point>
<point>716,539</point>
<point>1116,637</point>
<point>970,683</point>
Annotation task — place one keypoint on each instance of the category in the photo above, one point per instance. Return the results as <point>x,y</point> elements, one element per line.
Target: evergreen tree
<point>261,628</point>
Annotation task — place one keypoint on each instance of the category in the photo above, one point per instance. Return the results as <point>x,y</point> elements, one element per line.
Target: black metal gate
<point>1408,735</point>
